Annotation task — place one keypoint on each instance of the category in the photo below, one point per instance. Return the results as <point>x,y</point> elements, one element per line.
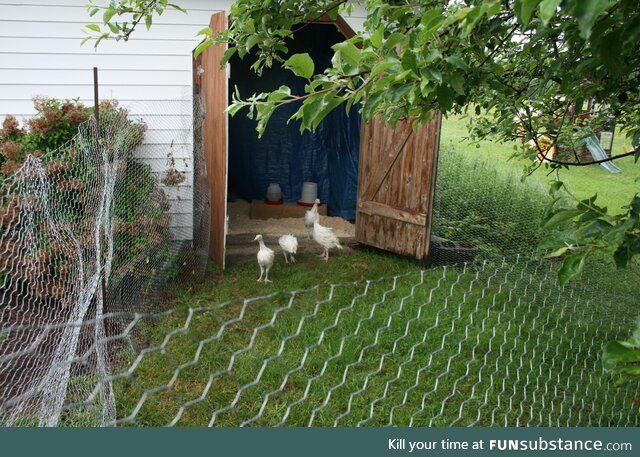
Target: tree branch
<point>594,162</point>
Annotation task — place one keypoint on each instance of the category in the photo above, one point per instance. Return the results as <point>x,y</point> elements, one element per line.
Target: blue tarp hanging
<point>328,157</point>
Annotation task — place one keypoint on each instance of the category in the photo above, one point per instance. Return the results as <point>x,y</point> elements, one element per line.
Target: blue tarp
<point>329,156</point>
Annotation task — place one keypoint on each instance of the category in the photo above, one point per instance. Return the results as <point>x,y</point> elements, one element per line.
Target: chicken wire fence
<point>86,229</point>
<point>85,338</point>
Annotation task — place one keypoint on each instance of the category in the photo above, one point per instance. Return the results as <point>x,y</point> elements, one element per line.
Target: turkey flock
<point>322,235</point>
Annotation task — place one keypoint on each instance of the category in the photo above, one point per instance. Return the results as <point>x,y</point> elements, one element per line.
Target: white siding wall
<point>40,54</point>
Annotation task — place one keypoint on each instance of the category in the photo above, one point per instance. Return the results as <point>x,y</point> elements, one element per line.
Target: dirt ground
<point>242,230</point>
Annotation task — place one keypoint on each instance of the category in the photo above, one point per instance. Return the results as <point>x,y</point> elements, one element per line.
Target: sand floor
<point>240,246</point>
<point>240,223</point>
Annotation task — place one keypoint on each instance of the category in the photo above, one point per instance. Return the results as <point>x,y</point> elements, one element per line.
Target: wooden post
<point>96,108</point>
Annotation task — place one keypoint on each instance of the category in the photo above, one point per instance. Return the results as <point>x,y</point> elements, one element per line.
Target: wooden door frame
<point>215,131</point>
<point>217,247</point>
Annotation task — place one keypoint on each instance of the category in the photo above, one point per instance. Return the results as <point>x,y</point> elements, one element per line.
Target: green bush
<point>73,162</point>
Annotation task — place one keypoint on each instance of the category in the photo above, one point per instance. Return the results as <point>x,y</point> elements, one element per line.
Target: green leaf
<point>562,216</point>
<point>280,94</point>
<point>315,109</point>
<point>588,11</point>
<point>85,40</point>
<point>622,256</point>
<point>383,66</point>
<point>148,19</point>
<point>205,31</point>
<point>234,108</point>
<point>548,9</point>
<point>555,187</point>
<point>431,74</point>
<point>595,228</point>
<point>176,7</point>
<point>457,62</point>
<point>94,27</point>
<point>616,353</point>
<point>557,252</point>
<point>571,266</point>
<point>445,97</point>
<point>300,65</point>
<point>348,53</point>
<point>376,37</point>
<point>527,7</point>
<point>330,102</point>
<point>108,14</point>
<point>456,80</point>
<point>201,47</point>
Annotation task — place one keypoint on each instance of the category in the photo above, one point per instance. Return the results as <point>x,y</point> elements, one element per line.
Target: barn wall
<point>40,54</point>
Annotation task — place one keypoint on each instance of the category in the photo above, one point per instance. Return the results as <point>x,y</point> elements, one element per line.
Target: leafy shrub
<point>68,149</point>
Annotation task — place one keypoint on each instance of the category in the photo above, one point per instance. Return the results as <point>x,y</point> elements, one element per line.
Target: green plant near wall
<point>73,167</point>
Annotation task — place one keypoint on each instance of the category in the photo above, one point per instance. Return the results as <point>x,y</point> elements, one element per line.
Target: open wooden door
<point>211,83</point>
<point>396,186</point>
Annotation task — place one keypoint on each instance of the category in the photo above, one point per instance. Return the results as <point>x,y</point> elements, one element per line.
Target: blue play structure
<point>328,156</point>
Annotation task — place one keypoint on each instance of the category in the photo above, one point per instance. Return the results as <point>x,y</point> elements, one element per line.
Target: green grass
<point>486,205</point>
<point>614,190</point>
<point>477,348</point>
<point>498,345</point>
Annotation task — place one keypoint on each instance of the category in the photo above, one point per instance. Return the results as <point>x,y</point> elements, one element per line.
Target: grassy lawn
<point>495,345</point>
<point>369,338</point>
<point>614,190</point>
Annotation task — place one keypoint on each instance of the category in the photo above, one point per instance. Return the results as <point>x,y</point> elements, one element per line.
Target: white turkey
<point>311,216</point>
<point>289,245</point>
<point>265,259</point>
<point>325,237</point>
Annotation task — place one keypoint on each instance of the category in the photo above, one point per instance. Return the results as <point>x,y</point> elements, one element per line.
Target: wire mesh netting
<point>489,340</point>
<point>86,229</point>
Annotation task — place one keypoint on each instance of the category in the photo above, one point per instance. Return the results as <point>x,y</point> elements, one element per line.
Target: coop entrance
<point>283,157</point>
<point>381,176</point>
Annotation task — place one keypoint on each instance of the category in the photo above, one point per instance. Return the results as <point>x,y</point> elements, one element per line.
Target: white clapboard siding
<point>54,12</point>
<point>111,62</point>
<point>163,32</point>
<point>149,91</point>
<point>161,165</point>
<point>179,192</point>
<point>180,206</point>
<point>58,77</point>
<point>151,75</point>
<point>26,45</point>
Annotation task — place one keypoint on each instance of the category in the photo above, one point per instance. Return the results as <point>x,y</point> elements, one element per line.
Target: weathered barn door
<point>396,185</point>
<point>211,81</point>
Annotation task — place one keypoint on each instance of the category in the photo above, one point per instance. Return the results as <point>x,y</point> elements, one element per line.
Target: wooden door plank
<point>433,134</point>
<point>396,186</point>
<point>386,160</point>
<point>380,209</point>
<point>213,81</point>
